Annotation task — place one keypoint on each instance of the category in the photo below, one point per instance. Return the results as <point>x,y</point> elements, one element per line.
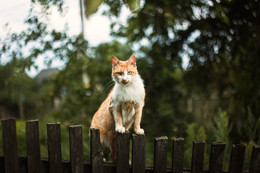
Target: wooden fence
<point>33,163</point>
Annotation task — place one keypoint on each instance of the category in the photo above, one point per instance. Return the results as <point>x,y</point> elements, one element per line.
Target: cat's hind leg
<point>113,149</point>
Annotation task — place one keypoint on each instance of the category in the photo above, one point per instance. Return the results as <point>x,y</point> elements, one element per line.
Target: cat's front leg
<point>138,115</point>
<point>117,115</point>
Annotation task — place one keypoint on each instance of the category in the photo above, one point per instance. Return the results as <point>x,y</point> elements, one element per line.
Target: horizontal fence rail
<point>10,162</point>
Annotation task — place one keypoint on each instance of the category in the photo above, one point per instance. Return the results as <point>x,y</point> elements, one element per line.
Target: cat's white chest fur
<point>133,92</point>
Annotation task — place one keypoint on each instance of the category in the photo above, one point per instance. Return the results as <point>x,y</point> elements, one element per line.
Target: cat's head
<point>124,72</point>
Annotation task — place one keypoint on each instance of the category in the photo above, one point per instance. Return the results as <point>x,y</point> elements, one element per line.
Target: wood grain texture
<point>197,156</point>
<point>33,146</point>
<point>10,145</point>
<point>138,153</point>
<point>216,157</point>
<point>255,160</point>
<point>76,149</point>
<point>54,147</point>
<point>237,158</point>
<point>96,152</point>
<point>160,154</point>
<point>122,159</point>
<point>177,155</point>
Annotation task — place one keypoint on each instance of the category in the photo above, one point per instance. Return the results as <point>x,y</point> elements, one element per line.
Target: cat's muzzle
<point>125,81</point>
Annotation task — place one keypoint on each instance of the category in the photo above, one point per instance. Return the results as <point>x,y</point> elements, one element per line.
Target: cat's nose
<point>125,81</point>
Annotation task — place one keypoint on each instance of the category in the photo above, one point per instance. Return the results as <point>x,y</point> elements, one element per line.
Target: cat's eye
<point>119,73</point>
<point>129,72</point>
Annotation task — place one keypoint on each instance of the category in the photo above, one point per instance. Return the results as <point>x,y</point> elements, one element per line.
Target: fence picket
<point>33,146</point>
<point>54,147</point>
<point>197,156</point>
<point>177,155</point>
<point>76,149</point>
<point>255,160</point>
<point>10,145</point>
<point>122,158</point>
<point>138,153</point>
<point>216,157</point>
<point>237,158</point>
<point>96,152</point>
<point>160,154</point>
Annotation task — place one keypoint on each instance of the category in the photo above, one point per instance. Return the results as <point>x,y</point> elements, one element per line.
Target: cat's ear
<point>115,61</point>
<point>132,60</point>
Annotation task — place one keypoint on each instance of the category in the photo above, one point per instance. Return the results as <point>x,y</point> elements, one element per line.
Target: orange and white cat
<point>123,106</point>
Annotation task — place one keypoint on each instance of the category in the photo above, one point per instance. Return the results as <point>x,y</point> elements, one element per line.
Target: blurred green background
<point>214,97</point>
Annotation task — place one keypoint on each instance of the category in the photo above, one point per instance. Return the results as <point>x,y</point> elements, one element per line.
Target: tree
<point>38,40</point>
<point>17,93</point>
<point>221,40</point>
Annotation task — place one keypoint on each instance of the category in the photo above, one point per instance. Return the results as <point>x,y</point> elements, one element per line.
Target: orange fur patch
<point>122,66</point>
<point>129,106</point>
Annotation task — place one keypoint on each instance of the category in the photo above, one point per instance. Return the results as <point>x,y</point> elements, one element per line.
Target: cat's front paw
<point>140,131</point>
<point>120,129</point>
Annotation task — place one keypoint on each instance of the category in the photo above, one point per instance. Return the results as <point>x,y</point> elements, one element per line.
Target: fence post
<point>122,158</point>
<point>76,149</point>
<point>255,160</point>
<point>33,146</point>
<point>54,147</point>
<point>237,158</point>
<point>177,155</point>
<point>96,152</point>
<point>138,153</point>
<point>197,156</point>
<point>160,154</point>
<point>216,157</point>
<point>10,145</point>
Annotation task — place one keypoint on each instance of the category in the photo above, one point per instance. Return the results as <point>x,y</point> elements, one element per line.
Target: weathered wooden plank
<point>216,157</point>
<point>33,146</point>
<point>76,149</point>
<point>45,165</point>
<point>122,159</point>
<point>197,156</point>
<point>160,154</point>
<point>177,155</point>
<point>54,147</point>
<point>87,167</point>
<point>10,145</point>
<point>138,153</point>
<point>96,152</point>
<point>66,166</point>
<point>2,164</point>
<point>22,161</point>
<point>255,160</point>
<point>237,158</point>
<point>109,167</point>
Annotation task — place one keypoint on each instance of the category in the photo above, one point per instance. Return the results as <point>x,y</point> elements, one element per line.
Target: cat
<point>123,105</point>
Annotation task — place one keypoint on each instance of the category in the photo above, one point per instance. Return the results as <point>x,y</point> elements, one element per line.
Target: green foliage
<point>194,133</point>
<point>248,154</point>
<point>17,92</point>
<point>251,127</point>
<point>222,128</point>
<point>92,6</point>
<point>49,3</point>
<point>221,132</point>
